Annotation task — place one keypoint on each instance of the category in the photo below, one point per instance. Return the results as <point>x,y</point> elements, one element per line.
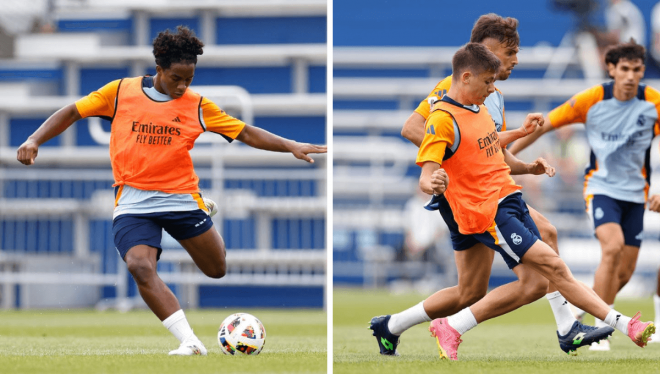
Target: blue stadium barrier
<point>95,25</point>
<point>271,30</point>
<point>260,297</point>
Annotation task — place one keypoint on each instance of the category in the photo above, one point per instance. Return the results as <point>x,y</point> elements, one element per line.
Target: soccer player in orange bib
<point>155,122</point>
<point>471,172</point>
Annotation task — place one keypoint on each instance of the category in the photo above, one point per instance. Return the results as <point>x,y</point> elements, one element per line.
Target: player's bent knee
<point>611,253</point>
<point>216,271</point>
<point>141,269</point>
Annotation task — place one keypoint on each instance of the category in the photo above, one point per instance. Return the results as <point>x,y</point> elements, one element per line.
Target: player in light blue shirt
<point>621,119</point>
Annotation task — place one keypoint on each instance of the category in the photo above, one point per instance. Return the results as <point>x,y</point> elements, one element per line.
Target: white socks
<point>656,302</point>
<point>410,317</point>
<point>178,326</point>
<point>618,321</point>
<point>562,311</point>
<point>462,321</point>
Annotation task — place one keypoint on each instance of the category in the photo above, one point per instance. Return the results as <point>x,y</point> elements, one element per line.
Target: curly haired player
<point>155,122</point>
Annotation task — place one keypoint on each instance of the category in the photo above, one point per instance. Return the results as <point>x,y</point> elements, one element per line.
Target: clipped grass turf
<point>136,342</point>
<point>524,341</point>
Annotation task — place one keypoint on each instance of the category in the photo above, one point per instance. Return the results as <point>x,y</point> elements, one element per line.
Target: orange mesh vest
<point>478,175</point>
<point>150,141</point>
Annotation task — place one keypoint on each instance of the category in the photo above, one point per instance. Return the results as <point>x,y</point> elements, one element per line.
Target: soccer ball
<point>241,334</point>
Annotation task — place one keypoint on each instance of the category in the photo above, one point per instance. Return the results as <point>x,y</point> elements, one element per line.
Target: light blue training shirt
<point>619,134</point>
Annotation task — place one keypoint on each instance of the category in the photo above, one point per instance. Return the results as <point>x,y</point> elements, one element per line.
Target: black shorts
<point>630,216</point>
<point>513,232</point>
<point>130,230</point>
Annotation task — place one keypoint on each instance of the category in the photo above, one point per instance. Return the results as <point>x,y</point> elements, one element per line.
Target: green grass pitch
<point>136,342</point>
<point>523,341</point>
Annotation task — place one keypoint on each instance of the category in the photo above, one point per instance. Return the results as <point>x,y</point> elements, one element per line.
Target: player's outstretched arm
<point>413,129</point>
<point>532,121</point>
<point>523,143</point>
<point>518,167</point>
<point>262,139</point>
<point>53,126</point>
<point>433,179</point>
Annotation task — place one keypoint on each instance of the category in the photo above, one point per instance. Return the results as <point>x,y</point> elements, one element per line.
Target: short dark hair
<point>494,26</point>
<point>476,58</point>
<point>628,51</point>
<point>171,48</point>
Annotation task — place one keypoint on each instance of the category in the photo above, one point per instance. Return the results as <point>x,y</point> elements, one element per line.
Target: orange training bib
<point>478,175</point>
<point>150,140</point>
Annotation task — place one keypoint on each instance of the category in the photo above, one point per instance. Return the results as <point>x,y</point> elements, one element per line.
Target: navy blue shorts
<point>630,216</point>
<point>513,232</point>
<point>459,241</point>
<point>130,230</point>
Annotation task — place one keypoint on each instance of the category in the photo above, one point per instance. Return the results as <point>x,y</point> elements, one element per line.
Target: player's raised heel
<point>582,335</point>
<point>447,339</point>
<point>640,332</point>
<point>191,347</point>
<point>387,342</point>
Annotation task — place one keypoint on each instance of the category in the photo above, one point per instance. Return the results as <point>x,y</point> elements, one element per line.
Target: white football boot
<point>603,345</point>
<point>211,206</point>
<point>191,347</point>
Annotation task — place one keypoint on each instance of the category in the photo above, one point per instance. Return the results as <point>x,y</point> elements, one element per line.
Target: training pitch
<point>136,342</point>
<point>524,341</point>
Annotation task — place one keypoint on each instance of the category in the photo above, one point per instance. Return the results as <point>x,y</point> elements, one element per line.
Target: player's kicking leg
<point>208,252</point>
<point>516,240</point>
<point>542,259</point>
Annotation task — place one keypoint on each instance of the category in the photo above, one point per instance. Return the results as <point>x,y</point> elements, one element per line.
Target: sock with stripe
<point>562,311</point>
<point>618,321</point>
